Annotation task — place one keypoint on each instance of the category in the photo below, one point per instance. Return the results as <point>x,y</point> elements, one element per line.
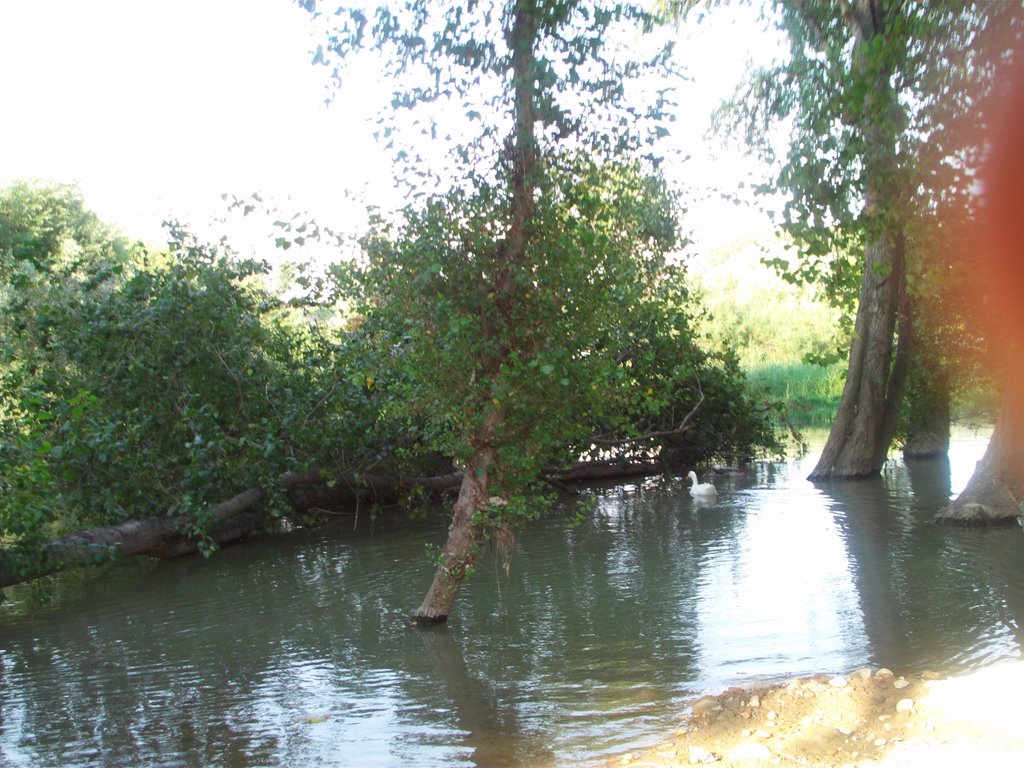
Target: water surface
<point>297,650</point>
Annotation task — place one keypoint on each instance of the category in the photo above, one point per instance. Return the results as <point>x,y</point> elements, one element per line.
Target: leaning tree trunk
<point>467,531</point>
<point>868,412</point>
<point>465,535</point>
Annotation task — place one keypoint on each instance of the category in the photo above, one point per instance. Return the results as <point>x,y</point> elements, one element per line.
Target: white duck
<point>701,489</point>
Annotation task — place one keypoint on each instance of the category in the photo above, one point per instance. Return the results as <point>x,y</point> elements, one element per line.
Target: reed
<point>807,393</point>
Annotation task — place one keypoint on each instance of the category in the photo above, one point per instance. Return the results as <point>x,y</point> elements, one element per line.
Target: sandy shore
<point>868,718</point>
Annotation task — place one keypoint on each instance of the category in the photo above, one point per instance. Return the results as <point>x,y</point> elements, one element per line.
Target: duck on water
<point>698,489</point>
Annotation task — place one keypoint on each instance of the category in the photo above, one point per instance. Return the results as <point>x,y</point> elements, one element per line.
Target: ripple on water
<point>298,650</point>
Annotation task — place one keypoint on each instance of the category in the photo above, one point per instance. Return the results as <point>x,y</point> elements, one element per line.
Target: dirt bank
<point>868,718</point>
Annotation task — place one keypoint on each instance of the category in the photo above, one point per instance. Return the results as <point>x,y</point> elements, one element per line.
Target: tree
<point>876,94</point>
<point>507,293</point>
<point>135,384</point>
<point>996,489</point>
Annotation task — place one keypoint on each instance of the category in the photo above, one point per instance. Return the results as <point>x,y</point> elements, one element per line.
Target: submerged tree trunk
<point>159,537</point>
<point>868,412</point>
<point>465,535</point>
<point>995,491</point>
<point>929,414</point>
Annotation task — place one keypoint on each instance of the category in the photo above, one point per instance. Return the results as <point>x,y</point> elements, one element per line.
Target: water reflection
<point>925,592</point>
<point>298,650</point>
<point>778,583</point>
<point>491,730</point>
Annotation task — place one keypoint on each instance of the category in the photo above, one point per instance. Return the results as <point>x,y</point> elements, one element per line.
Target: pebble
<point>755,701</point>
<point>885,674</point>
<point>879,742</point>
<point>749,751</point>
<point>905,705</point>
<point>901,682</point>
<point>838,681</point>
<point>862,674</point>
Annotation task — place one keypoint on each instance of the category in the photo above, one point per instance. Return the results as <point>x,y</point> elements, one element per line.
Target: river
<point>297,650</point>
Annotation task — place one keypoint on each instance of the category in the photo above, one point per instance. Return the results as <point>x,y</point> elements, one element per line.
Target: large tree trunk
<point>868,411</point>
<point>995,491</point>
<point>929,414</point>
<point>153,537</point>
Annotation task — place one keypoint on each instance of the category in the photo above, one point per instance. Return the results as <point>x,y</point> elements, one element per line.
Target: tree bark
<point>995,491</point>
<point>929,418</point>
<point>153,537</point>
<point>340,490</point>
<point>465,535</point>
<point>868,412</point>
<point>467,531</point>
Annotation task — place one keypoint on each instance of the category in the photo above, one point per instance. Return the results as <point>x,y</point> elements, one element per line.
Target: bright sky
<point>157,107</point>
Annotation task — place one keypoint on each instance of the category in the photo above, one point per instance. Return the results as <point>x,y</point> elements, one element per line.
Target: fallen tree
<point>162,536</point>
<point>159,537</point>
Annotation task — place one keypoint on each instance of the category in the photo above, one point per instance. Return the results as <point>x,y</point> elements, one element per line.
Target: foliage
<point>46,229</point>
<point>569,367</point>
<point>450,71</point>
<point>807,392</point>
<point>940,61</point>
<point>781,354</point>
<point>526,303</point>
<point>742,297</point>
<point>138,383</point>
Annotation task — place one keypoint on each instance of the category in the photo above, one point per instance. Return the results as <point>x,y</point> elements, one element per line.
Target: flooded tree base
<point>866,718</point>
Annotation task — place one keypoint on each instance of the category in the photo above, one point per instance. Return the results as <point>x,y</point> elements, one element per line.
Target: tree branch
<point>679,429</point>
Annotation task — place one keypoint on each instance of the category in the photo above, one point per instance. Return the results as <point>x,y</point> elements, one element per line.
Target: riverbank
<point>867,718</point>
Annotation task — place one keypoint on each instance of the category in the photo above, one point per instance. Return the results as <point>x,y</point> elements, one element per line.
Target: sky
<point>156,108</point>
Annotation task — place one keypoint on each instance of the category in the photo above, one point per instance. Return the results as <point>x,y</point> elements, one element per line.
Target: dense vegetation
<point>139,382</point>
<point>524,316</point>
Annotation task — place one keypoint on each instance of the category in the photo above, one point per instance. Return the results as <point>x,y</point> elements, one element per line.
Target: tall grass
<point>809,393</point>
<point>772,326</point>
